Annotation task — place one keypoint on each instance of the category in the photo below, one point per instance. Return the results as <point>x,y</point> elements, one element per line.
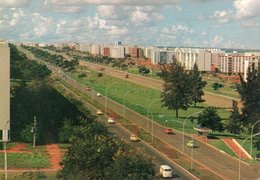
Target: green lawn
<point>26,160</point>
<point>140,99</point>
<point>219,144</point>
<point>228,89</point>
<point>30,175</point>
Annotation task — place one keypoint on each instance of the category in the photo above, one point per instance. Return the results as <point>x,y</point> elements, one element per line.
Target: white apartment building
<point>94,49</point>
<point>161,56</point>
<point>83,47</point>
<point>238,63</point>
<point>117,51</point>
<point>4,90</point>
<point>187,56</point>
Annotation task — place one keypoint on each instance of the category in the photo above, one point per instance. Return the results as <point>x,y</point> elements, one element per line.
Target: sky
<point>181,23</point>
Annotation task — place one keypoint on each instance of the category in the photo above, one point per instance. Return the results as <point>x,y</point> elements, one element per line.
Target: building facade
<point>4,90</point>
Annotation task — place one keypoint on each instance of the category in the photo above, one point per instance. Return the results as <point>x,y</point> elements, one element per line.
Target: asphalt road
<point>124,134</point>
<point>222,164</point>
<point>211,99</point>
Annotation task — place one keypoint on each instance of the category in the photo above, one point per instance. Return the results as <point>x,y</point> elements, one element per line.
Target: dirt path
<point>55,155</point>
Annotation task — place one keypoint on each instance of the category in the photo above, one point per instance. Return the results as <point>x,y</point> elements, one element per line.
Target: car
<point>88,88</point>
<point>111,120</point>
<point>98,94</point>
<point>168,131</point>
<point>165,171</point>
<point>134,137</point>
<point>191,144</point>
<point>99,112</point>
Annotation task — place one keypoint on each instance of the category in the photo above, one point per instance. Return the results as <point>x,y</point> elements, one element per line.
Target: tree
<point>197,85</point>
<point>249,91</point>
<point>234,123</point>
<point>177,87</point>
<point>91,153</point>
<point>209,118</point>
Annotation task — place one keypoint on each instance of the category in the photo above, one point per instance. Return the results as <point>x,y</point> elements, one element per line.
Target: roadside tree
<point>249,91</point>
<point>197,85</point>
<point>209,118</point>
<point>234,123</point>
<point>177,87</point>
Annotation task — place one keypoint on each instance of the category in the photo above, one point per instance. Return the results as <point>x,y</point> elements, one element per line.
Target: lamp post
<point>239,163</point>
<point>191,156</point>
<point>251,149</point>
<point>106,96</point>
<point>183,129</point>
<point>148,109</point>
<point>132,90</point>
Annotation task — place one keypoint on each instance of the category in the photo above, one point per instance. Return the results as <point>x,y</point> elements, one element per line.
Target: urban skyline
<point>199,23</point>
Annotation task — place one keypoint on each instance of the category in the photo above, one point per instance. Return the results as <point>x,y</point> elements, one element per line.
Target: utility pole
<point>34,131</point>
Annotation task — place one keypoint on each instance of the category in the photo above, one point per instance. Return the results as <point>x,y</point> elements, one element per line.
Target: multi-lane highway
<point>222,164</point>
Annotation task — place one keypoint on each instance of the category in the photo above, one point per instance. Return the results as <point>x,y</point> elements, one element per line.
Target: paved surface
<point>120,131</point>
<point>238,150</point>
<point>210,98</point>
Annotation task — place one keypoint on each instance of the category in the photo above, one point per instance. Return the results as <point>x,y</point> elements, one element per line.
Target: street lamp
<point>239,164</point>
<point>106,96</point>
<point>148,109</point>
<point>183,129</point>
<point>252,139</point>
<point>132,90</point>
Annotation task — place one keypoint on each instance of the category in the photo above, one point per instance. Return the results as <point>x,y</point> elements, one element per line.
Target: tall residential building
<point>95,49</point>
<point>237,63</point>
<point>117,51</point>
<point>4,90</point>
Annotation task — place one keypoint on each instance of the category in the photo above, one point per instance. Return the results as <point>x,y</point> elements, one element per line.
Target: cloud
<point>247,8</point>
<point>112,2</point>
<point>14,3</point>
<point>177,29</point>
<point>223,16</point>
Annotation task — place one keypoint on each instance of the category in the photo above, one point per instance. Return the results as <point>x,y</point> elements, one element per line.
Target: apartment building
<point>238,63</point>
<point>161,56</point>
<point>117,51</point>
<point>94,49</point>
<point>4,90</point>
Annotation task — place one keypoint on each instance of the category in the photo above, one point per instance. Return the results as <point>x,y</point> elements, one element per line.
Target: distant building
<point>94,49</point>
<point>237,63</point>
<point>117,51</point>
<point>4,90</point>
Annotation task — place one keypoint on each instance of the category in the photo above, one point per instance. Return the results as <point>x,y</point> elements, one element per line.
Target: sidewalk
<point>235,148</point>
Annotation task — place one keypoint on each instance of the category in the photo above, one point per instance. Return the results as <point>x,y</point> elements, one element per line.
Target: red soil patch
<point>235,148</point>
<point>55,155</point>
<point>17,149</point>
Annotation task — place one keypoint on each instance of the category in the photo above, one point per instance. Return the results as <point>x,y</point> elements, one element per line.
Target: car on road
<point>99,112</point>
<point>111,120</point>
<point>165,171</point>
<point>168,131</point>
<point>98,94</point>
<point>134,138</point>
<point>192,144</point>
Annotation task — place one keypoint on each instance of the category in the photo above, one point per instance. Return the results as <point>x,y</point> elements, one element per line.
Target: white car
<point>99,112</point>
<point>165,171</point>
<point>98,94</point>
<point>111,120</point>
